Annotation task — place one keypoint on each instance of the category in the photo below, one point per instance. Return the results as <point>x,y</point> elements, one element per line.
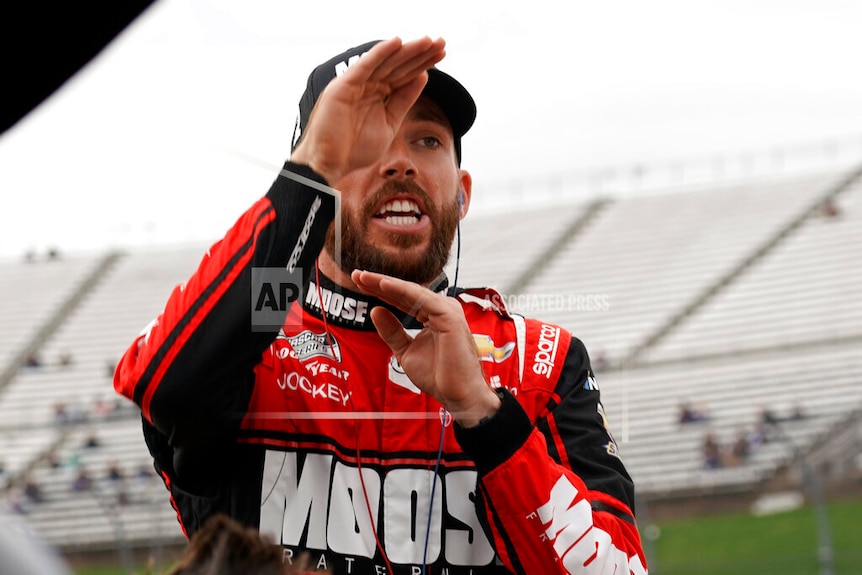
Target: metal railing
<point>641,178</point>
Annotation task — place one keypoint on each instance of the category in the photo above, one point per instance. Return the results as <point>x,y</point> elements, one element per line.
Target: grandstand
<point>739,297</point>
<point>124,293</point>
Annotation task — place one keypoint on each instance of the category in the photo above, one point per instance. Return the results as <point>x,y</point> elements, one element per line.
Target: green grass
<point>732,544</point>
<point>106,571</point>
<point>742,544</point>
<point>141,569</point>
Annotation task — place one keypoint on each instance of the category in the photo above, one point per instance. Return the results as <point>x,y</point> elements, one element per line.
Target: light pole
<point>811,481</point>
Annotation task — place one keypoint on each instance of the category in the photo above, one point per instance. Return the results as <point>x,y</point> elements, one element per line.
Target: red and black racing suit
<point>315,435</point>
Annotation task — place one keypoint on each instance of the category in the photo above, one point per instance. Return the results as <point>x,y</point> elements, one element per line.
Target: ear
<point>465,192</point>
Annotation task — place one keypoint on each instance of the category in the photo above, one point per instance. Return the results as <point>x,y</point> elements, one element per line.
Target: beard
<point>358,253</point>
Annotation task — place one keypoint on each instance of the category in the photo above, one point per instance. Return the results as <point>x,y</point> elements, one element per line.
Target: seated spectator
<point>768,416</point>
<point>73,461</point>
<point>740,450</point>
<point>82,481</point>
<point>64,359</point>
<point>14,500</point>
<point>116,483</point>
<point>113,472</point>
<point>33,492</point>
<point>600,361</point>
<point>61,414</point>
<point>690,414</point>
<point>797,413</point>
<point>103,409</point>
<point>144,472</point>
<point>711,452</point>
<point>143,478</point>
<point>92,440</point>
<point>758,435</point>
<point>32,360</point>
<point>829,209</point>
<point>52,459</point>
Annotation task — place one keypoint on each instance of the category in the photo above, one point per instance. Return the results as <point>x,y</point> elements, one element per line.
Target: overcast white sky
<point>167,135</point>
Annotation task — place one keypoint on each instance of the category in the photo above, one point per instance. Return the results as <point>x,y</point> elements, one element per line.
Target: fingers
<point>401,100</point>
<point>390,330</point>
<point>412,61</point>
<point>397,64</point>
<point>409,297</point>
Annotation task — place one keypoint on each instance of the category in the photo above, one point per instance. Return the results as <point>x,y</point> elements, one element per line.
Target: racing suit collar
<point>349,308</point>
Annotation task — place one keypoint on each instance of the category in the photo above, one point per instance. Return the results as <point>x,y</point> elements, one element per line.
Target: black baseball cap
<point>453,98</point>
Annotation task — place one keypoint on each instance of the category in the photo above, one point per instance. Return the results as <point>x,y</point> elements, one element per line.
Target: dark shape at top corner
<point>45,45</point>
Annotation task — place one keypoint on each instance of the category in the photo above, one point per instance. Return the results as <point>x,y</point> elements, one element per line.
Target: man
<point>379,422</point>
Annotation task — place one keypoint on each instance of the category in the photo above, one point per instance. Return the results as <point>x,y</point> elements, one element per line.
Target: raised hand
<point>358,114</point>
<point>441,359</point>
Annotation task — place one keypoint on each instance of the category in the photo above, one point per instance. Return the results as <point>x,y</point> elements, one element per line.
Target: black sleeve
<point>578,422</point>
<point>192,373</point>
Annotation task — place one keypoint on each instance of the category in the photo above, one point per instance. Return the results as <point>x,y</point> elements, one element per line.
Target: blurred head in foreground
<point>23,552</point>
<point>225,547</point>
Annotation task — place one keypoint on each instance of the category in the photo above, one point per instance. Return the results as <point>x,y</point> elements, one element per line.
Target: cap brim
<point>453,98</point>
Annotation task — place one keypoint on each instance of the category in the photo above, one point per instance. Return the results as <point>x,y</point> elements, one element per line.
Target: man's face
<point>400,214</point>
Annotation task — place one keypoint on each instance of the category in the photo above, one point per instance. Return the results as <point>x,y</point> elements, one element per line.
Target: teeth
<point>400,207</point>
<point>400,220</point>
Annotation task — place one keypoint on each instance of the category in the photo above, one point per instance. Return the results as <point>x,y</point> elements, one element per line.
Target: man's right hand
<point>358,114</point>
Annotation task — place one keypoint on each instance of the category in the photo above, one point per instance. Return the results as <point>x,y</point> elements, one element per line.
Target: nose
<point>398,162</point>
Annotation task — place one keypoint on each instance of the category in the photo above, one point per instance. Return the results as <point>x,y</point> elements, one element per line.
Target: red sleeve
<point>554,524</point>
<point>192,368</point>
<point>555,494</point>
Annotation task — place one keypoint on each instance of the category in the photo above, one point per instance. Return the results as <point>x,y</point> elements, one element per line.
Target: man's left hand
<point>441,359</point>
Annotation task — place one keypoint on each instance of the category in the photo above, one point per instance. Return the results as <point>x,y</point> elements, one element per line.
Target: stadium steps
<point>98,330</point>
<point>95,334</point>
<point>21,449</point>
<point>805,291</point>
<point>744,264</point>
<point>834,454</point>
<point>495,249</point>
<point>568,233</point>
<point>95,518</point>
<point>641,258</point>
<point>35,342</point>
<point>665,460</point>
<point>665,457</point>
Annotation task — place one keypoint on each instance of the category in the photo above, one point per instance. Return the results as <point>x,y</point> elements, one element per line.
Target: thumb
<point>390,330</point>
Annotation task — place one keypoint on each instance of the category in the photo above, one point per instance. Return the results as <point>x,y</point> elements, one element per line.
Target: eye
<point>430,142</point>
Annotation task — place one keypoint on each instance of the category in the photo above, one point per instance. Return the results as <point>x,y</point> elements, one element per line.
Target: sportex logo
<point>546,354</point>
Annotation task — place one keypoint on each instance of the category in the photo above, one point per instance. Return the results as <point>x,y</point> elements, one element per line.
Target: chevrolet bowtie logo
<point>488,351</point>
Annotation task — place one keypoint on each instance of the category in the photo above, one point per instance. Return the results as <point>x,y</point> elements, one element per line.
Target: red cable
<point>355,425</point>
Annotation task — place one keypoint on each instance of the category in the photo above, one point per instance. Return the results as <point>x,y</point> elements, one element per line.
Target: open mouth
<point>400,212</point>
